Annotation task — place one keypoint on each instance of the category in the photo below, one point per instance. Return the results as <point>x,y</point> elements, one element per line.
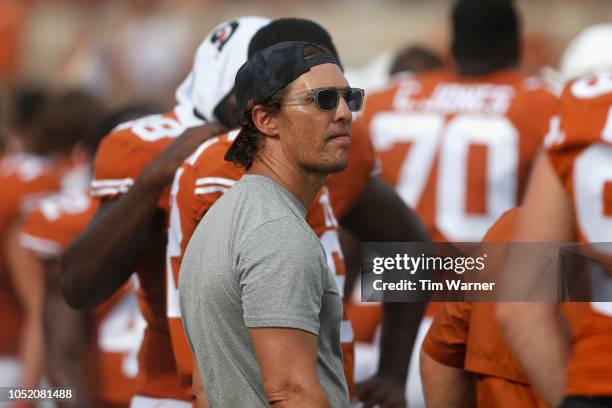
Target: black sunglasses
<point>327,99</point>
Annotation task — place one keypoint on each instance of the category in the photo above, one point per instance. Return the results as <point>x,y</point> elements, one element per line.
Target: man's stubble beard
<point>328,164</point>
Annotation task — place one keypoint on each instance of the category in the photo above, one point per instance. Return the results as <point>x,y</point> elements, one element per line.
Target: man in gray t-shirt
<point>255,262</point>
<point>260,307</point>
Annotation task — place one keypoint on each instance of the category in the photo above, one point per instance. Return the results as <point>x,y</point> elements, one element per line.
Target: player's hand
<point>161,171</point>
<point>381,392</point>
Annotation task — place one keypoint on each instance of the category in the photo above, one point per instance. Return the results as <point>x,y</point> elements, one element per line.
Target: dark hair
<point>251,140</point>
<point>26,103</point>
<point>415,58</point>
<point>485,34</point>
<point>227,112</point>
<point>292,29</point>
<point>65,120</point>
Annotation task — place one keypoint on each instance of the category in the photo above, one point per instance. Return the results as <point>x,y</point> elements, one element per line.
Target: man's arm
<point>66,333</point>
<point>442,357</point>
<point>539,338</point>
<point>379,214</point>
<point>288,364</point>
<point>103,256</point>
<point>535,331</point>
<point>445,386</point>
<point>28,280</point>
<point>198,389</point>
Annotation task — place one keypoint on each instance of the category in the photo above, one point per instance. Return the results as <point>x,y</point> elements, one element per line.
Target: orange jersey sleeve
<point>459,149</point>
<point>127,150</point>
<point>579,146</point>
<point>447,338</point>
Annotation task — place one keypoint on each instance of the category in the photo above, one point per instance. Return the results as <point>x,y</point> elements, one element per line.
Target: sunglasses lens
<point>354,99</point>
<point>328,99</point>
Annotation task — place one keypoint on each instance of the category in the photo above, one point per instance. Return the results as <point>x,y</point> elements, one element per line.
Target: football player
<point>39,169</point>
<point>569,199</point>
<point>457,144</point>
<point>465,354</point>
<point>93,352</point>
<point>465,334</point>
<point>133,169</point>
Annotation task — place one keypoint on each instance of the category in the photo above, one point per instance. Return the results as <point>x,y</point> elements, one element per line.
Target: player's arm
<point>379,214</point>
<point>28,280</point>
<point>103,256</point>
<point>288,364</point>
<point>66,335</point>
<point>446,386</point>
<point>442,358</point>
<point>535,331</point>
<point>198,389</point>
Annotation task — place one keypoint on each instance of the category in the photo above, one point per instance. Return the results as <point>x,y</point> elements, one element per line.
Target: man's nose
<point>343,113</point>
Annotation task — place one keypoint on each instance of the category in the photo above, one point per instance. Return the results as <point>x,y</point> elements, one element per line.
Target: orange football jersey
<point>112,349</point>
<point>579,146</point>
<point>23,180</point>
<point>466,335</point>
<point>458,149</point>
<point>205,176</point>
<point>121,157</point>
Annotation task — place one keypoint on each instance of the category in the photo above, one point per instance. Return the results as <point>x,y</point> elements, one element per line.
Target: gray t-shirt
<point>253,261</point>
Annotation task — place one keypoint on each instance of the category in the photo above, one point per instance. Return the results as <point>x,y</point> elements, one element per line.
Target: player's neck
<point>473,68</point>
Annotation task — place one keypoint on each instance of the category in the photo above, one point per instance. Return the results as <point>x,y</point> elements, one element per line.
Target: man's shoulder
<point>258,201</point>
<point>254,208</point>
<point>287,225</point>
<point>282,236</point>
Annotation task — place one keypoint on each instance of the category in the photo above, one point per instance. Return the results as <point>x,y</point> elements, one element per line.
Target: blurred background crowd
<point>108,47</point>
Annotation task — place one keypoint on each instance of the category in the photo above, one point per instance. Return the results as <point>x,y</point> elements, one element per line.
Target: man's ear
<point>264,121</point>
